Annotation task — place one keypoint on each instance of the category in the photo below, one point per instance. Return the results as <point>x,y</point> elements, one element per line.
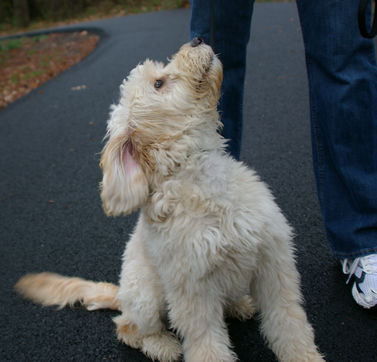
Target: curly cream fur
<point>209,240</point>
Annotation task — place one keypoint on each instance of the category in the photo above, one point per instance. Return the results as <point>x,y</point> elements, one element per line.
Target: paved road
<point>50,211</point>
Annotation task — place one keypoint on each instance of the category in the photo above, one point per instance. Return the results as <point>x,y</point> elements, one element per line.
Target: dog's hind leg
<point>277,293</point>
<point>142,304</point>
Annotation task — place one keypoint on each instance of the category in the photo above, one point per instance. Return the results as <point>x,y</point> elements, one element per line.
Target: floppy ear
<point>124,186</point>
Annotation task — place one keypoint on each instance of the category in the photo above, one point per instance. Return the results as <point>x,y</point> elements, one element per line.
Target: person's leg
<point>342,75</point>
<point>232,31</point>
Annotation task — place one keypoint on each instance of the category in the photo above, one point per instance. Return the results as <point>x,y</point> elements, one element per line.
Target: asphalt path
<point>50,210</point>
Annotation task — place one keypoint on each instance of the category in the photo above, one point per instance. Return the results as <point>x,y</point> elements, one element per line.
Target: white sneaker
<point>364,272</point>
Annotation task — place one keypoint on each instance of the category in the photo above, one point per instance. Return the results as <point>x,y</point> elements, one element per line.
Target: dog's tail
<point>52,289</point>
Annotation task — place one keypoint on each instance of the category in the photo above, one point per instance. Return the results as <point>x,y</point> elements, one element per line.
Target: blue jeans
<point>232,21</point>
<point>342,74</point>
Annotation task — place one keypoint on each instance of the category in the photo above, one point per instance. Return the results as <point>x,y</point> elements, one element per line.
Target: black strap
<point>363,7</point>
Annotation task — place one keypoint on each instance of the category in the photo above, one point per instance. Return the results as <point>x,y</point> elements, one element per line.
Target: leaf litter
<point>28,62</point>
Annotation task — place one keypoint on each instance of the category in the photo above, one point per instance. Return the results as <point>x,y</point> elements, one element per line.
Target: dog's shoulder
<point>210,176</point>
<point>219,175</point>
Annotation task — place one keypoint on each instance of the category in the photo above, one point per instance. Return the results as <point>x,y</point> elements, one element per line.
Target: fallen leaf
<point>78,87</point>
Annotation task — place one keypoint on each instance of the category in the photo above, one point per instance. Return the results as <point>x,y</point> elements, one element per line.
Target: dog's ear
<point>124,186</point>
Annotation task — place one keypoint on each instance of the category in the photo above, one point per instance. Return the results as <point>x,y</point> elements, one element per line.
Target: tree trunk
<point>3,12</point>
<point>21,16</point>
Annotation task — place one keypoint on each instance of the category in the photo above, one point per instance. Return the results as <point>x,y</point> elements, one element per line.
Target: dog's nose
<point>195,42</point>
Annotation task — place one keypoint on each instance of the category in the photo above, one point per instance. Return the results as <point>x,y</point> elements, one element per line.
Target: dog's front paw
<point>242,309</point>
<point>127,332</point>
<point>210,353</point>
<point>164,347</point>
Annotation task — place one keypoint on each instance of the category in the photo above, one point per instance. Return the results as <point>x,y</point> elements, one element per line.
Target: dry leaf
<point>79,87</point>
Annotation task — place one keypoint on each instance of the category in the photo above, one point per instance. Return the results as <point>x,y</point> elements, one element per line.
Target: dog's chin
<point>201,58</point>
<point>210,64</point>
<point>215,65</point>
<point>215,71</point>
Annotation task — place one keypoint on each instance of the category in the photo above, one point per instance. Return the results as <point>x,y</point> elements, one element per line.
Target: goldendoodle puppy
<point>210,239</point>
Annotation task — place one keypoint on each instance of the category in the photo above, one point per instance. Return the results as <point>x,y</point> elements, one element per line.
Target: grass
<point>30,74</point>
<point>11,44</point>
<point>7,45</point>
<point>39,38</point>
<point>25,72</point>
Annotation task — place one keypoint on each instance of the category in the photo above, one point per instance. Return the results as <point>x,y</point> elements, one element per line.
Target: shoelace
<point>368,264</point>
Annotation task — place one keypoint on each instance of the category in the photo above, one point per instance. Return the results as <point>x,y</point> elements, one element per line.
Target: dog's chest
<point>198,191</point>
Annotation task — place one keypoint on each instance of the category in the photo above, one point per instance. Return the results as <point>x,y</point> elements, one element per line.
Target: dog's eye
<point>158,83</point>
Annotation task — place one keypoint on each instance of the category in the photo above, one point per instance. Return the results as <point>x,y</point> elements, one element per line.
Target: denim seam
<point>318,144</point>
<point>360,253</point>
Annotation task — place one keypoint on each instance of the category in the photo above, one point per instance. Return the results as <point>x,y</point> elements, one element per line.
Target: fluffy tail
<point>53,289</point>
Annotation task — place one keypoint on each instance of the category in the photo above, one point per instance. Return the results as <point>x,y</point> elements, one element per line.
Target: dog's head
<point>165,113</point>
